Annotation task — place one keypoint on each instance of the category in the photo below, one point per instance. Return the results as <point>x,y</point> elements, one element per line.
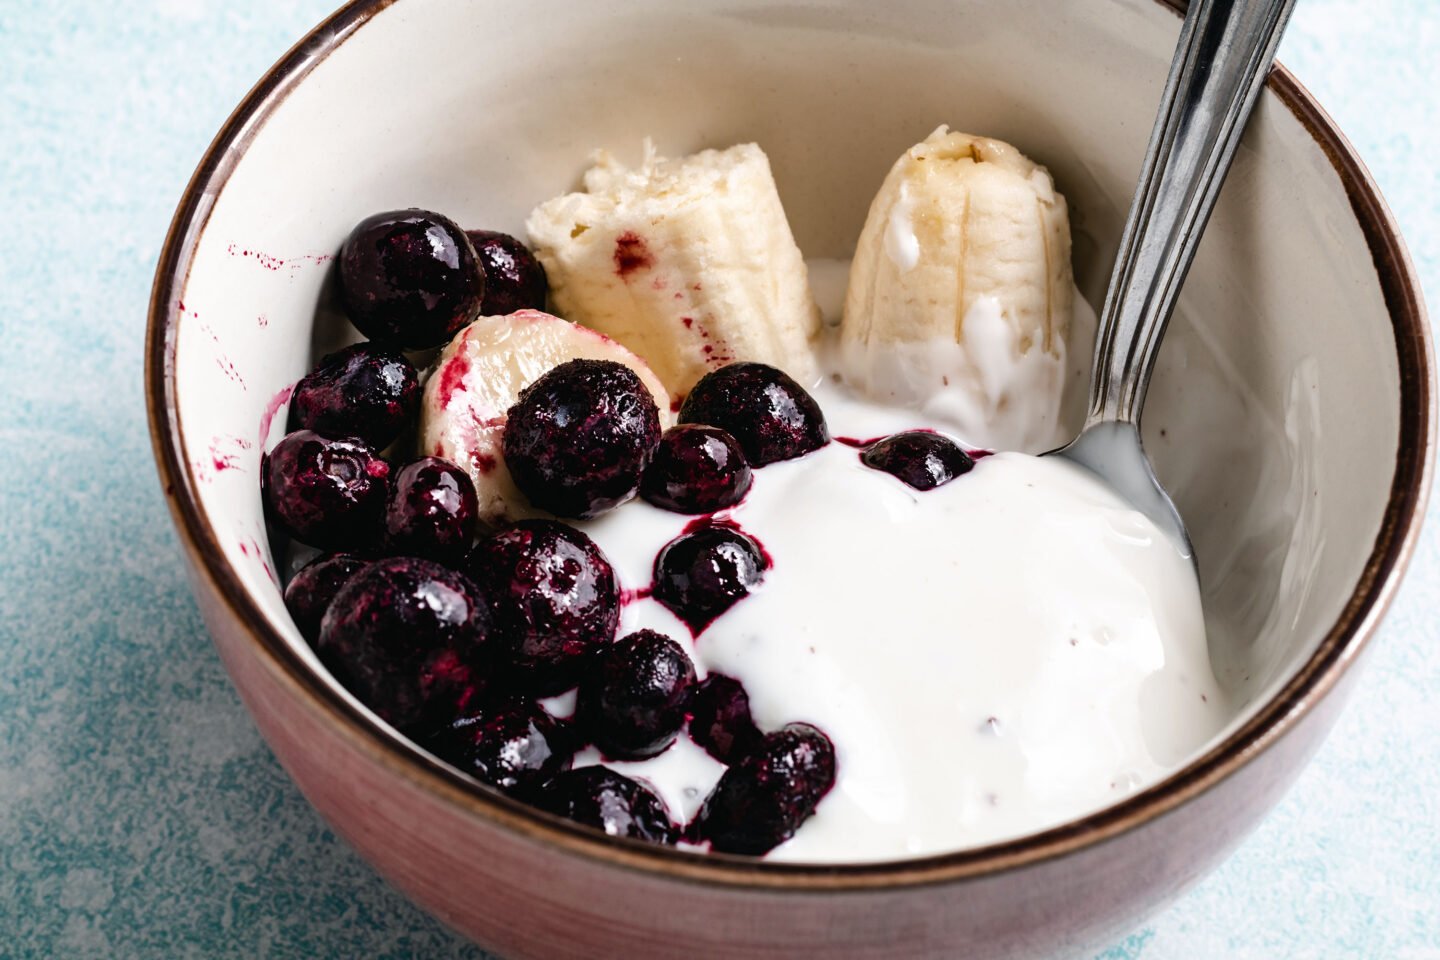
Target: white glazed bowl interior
<point>1273,413</point>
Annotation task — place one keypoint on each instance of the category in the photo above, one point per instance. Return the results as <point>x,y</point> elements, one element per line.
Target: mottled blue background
<point>141,815</point>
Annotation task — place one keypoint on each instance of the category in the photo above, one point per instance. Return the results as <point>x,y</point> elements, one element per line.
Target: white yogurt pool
<point>1001,654</point>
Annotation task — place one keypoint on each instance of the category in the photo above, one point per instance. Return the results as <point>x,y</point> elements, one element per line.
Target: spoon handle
<point>1221,61</point>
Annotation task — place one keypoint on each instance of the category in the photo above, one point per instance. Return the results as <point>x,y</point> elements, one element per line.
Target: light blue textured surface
<point>141,815</point>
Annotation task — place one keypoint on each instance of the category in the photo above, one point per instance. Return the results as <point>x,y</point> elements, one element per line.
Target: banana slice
<point>689,262</point>
<point>961,292</point>
<point>480,374</point>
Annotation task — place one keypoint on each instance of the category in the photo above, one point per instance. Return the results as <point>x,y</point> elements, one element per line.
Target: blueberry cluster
<point>409,279</point>
<point>456,640</point>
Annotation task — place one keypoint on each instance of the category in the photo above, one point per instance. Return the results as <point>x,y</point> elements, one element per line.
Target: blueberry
<point>700,575</point>
<point>634,704</point>
<point>601,798</point>
<point>770,414</point>
<point>327,493</point>
<point>309,592</point>
<point>514,279</point>
<point>920,458</point>
<point>554,598</point>
<point>431,510</point>
<point>408,637</point>
<point>763,799</point>
<point>515,746</point>
<point>578,439</point>
<point>410,278</point>
<point>364,391</point>
<point>720,719</point>
<point>696,469</point>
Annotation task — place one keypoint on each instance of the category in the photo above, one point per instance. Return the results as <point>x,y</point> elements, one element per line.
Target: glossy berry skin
<point>554,598</point>
<point>516,747</point>
<point>763,799</point>
<point>309,592</point>
<point>720,721</point>
<point>364,391</point>
<point>514,279</point>
<point>327,493</point>
<point>408,637</point>
<point>431,511</point>
<point>578,439</point>
<point>634,705</point>
<point>601,798</point>
<point>410,278</point>
<point>700,575</point>
<point>919,458</point>
<point>769,413</point>
<point>696,469</point>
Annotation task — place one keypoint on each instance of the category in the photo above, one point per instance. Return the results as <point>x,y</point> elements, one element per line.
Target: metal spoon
<point>1225,50</point>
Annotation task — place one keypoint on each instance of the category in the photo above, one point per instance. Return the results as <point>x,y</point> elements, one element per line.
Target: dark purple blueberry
<point>554,598</point>
<point>763,799</point>
<point>634,704</point>
<point>364,391</point>
<point>410,278</point>
<point>309,592</point>
<point>696,469</point>
<point>514,279</point>
<point>720,719</point>
<point>920,458</point>
<point>431,511</point>
<point>578,439</point>
<point>770,414</point>
<point>516,746</point>
<point>327,493</point>
<point>700,575</point>
<point>408,637</point>
<point>601,798</point>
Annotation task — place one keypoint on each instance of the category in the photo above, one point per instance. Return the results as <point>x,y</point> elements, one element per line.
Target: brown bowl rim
<point>1341,647</point>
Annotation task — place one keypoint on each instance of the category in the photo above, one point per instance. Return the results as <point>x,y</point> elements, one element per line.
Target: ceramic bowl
<point>1292,415</point>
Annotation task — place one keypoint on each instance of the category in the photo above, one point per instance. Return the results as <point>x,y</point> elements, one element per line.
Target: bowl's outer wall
<point>526,898</point>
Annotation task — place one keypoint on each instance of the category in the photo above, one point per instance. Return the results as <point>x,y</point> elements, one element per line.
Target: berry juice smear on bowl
<point>608,570</point>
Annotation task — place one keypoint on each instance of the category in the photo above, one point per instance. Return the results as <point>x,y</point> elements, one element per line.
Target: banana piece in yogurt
<point>689,262</point>
<point>961,291</point>
<point>478,377</point>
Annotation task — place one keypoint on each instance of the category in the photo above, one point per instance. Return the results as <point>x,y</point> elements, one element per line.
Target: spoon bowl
<point>1112,449</point>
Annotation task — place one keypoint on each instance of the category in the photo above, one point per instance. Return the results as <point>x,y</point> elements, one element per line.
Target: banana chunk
<point>688,262</point>
<point>961,292</point>
<point>479,376</point>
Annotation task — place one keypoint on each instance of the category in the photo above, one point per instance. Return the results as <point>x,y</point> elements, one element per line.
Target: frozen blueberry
<point>696,469</point>
<point>601,798</point>
<point>410,278</point>
<point>364,391</point>
<point>514,279</point>
<point>578,439</point>
<point>763,799</point>
<point>700,575</point>
<point>770,414</point>
<point>309,592</point>
<point>431,510</point>
<point>327,493</point>
<point>634,704</point>
<point>515,746</point>
<point>720,721</point>
<point>408,637</point>
<point>554,598</point>
<point>920,458</point>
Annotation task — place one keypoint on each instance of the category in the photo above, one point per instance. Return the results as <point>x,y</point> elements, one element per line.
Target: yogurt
<point>1007,652</point>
